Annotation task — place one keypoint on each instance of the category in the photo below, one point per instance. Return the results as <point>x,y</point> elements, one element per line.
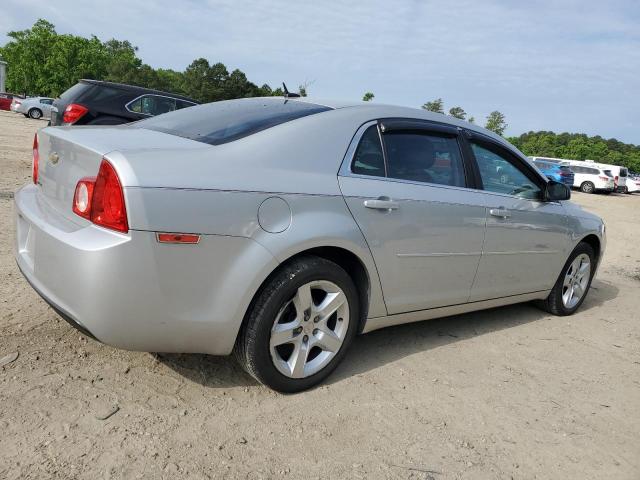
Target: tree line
<point>578,146</point>
<point>44,62</point>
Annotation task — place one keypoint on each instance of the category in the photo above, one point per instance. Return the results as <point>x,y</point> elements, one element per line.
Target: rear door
<point>405,183</point>
<point>526,238</point>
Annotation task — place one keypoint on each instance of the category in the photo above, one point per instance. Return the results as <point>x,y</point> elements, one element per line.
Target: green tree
<point>457,112</point>
<point>578,146</point>
<point>436,106</point>
<point>43,62</point>
<point>471,119</point>
<point>367,97</point>
<point>496,122</point>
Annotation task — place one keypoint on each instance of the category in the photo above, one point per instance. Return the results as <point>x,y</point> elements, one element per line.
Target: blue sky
<point>547,65</point>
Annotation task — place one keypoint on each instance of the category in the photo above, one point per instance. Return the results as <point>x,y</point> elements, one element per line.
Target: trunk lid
<point>68,154</point>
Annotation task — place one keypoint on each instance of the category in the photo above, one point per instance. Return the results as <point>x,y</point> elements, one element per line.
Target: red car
<point>6,99</point>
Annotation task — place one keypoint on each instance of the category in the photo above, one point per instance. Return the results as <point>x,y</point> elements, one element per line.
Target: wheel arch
<point>345,258</point>
<point>594,242</point>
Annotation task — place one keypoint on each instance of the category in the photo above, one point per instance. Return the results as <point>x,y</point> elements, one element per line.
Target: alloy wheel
<point>309,329</point>
<point>576,280</point>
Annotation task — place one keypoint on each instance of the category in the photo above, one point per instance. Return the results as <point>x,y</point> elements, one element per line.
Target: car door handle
<point>382,203</point>
<point>499,212</point>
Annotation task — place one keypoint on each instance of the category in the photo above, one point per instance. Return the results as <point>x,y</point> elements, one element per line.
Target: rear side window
<point>152,105</point>
<point>608,173</point>
<point>623,172</point>
<point>183,104</point>
<point>424,157</point>
<point>222,122</point>
<point>369,159</point>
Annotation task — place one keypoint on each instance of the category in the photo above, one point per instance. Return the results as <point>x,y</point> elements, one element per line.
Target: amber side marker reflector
<point>188,238</point>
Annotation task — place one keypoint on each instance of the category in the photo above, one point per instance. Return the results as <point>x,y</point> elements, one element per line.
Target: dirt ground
<point>505,393</point>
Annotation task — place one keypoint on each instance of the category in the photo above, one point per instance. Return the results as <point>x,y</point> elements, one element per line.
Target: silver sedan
<point>279,229</point>
<point>34,107</point>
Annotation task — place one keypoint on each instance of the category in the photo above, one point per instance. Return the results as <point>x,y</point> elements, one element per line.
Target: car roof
<point>381,110</point>
<point>135,89</point>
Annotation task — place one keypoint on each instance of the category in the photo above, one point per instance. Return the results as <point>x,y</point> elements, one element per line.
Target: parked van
<point>593,179</point>
<point>618,173</point>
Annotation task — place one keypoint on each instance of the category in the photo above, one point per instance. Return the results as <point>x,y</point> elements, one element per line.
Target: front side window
<point>369,159</point>
<point>424,157</point>
<point>499,175</point>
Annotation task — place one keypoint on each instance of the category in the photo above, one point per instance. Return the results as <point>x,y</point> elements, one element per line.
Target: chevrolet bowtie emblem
<point>54,158</point>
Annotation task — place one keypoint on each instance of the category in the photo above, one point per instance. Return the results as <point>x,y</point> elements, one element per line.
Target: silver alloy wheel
<point>309,329</point>
<point>576,280</point>
<point>35,113</point>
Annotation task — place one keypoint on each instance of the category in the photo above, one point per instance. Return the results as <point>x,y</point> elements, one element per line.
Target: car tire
<point>279,313</point>
<point>35,113</point>
<point>561,301</point>
<point>587,187</point>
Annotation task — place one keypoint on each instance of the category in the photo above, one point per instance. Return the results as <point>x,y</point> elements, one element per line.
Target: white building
<point>3,74</point>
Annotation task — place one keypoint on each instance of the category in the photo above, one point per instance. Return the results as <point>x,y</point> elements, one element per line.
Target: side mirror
<point>555,191</point>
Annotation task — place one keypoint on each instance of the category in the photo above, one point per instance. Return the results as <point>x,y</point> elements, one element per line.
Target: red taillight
<point>101,199</point>
<point>83,196</point>
<point>604,178</point>
<point>73,113</point>
<point>36,159</point>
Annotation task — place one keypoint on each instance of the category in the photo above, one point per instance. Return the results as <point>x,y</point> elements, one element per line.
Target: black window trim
<point>408,124</point>
<point>492,145</point>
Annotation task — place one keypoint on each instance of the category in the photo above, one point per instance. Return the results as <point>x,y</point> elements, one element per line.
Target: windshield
<point>222,122</point>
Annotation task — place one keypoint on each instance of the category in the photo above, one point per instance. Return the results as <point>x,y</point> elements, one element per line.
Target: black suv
<point>93,102</point>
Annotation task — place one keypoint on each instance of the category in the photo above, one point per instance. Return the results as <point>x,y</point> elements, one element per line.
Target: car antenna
<point>287,93</point>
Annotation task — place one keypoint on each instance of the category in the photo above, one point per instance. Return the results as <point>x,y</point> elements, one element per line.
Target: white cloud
<point>565,66</point>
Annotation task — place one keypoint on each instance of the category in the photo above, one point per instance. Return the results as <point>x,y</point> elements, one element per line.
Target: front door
<point>405,186</point>
<point>526,239</point>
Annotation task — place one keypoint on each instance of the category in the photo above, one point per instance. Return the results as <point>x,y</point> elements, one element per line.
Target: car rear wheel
<point>35,113</point>
<point>587,187</point>
<point>573,284</point>
<point>300,325</point>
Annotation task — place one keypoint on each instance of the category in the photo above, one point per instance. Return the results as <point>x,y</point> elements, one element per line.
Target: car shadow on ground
<point>378,348</point>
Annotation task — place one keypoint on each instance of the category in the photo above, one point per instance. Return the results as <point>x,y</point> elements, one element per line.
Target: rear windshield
<point>222,122</point>
<point>71,93</point>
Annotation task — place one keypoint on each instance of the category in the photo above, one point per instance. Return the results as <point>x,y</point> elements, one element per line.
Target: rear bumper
<point>129,291</point>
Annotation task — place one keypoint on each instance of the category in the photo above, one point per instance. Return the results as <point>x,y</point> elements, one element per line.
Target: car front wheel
<point>300,325</point>
<point>573,284</point>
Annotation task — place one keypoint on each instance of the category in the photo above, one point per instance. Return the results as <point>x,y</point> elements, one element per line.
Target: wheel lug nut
<point>305,338</point>
<point>316,320</point>
<point>315,331</point>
